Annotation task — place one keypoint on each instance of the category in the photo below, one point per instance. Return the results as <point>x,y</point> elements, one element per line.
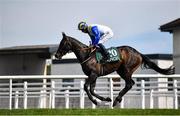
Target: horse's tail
<point>149,64</point>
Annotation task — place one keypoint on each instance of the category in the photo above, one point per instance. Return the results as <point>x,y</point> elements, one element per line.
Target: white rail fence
<point>67,91</point>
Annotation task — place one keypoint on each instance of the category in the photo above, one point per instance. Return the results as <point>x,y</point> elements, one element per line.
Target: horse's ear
<point>63,34</point>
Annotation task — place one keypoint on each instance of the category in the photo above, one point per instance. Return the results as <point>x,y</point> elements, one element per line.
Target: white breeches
<point>106,37</point>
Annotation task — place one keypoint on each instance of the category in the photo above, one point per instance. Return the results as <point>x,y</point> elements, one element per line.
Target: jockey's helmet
<point>82,26</point>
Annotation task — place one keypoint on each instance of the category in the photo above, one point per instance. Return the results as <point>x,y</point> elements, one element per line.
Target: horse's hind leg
<point>128,85</point>
<point>92,87</point>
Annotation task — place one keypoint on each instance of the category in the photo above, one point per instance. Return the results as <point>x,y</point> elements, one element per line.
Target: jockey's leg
<point>104,51</point>
<point>106,37</point>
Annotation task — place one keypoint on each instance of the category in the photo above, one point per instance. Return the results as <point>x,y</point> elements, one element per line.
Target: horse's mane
<point>77,41</point>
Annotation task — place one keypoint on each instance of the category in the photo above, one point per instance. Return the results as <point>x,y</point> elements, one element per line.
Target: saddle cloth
<point>113,53</point>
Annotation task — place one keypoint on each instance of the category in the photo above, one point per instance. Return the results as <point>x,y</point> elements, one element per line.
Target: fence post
<point>122,103</point>
<point>43,96</point>
<point>25,95</point>
<point>16,101</point>
<point>10,94</point>
<point>175,94</point>
<point>67,98</point>
<point>82,94</point>
<point>151,99</point>
<point>93,105</point>
<point>52,94</point>
<point>143,94</point>
<point>41,101</point>
<point>111,91</point>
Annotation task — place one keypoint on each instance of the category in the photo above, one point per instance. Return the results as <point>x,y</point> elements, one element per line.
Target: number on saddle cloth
<point>113,53</point>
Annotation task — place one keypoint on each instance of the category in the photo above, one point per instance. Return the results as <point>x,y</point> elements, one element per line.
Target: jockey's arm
<point>96,35</point>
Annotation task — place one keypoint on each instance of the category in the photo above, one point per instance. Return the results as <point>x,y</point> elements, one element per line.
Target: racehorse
<point>131,60</point>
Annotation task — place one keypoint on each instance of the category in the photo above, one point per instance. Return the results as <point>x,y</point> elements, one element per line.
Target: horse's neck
<point>77,48</point>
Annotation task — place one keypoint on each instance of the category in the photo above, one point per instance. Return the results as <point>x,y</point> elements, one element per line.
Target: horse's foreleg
<point>86,85</point>
<point>128,86</point>
<point>92,87</point>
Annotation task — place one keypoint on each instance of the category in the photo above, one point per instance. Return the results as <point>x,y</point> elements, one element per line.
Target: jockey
<point>98,34</point>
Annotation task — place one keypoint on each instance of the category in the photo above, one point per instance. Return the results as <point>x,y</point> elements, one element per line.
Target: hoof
<point>116,101</point>
<point>108,99</point>
<point>95,102</point>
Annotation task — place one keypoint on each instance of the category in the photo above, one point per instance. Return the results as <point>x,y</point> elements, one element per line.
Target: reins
<point>87,48</point>
<point>91,48</point>
<point>89,54</point>
<point>86,60</point>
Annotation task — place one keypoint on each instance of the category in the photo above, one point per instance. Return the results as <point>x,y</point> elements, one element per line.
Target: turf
<point>90,112</point>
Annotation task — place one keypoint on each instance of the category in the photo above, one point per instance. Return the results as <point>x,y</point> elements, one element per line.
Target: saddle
<point>114,55</point>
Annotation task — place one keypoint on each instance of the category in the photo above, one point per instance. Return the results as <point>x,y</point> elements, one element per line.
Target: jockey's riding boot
<point>104,52</point>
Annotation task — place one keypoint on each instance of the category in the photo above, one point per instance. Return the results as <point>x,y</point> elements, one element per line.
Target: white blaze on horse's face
<point>64,47</point>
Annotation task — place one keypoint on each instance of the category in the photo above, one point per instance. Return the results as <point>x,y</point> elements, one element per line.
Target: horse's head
<point>64,47</point>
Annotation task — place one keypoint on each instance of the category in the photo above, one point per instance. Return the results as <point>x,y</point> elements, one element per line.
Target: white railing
<point>150,91</point>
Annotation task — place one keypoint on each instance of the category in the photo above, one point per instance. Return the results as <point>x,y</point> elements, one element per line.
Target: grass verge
<point>90,112</point>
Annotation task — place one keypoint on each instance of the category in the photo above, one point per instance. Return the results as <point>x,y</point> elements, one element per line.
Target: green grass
<point>90,112</point>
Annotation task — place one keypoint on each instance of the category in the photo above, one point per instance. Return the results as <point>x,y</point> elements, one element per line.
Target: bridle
<point>64,51</point>
<point>67,43</point>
